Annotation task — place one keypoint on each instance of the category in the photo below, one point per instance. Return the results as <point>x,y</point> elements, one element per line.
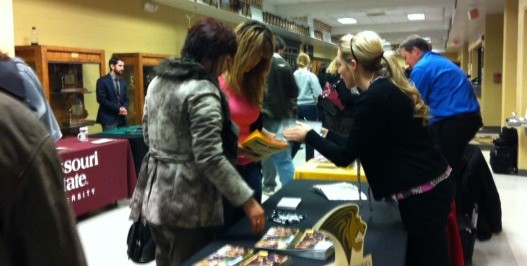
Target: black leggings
<point>425,218</point>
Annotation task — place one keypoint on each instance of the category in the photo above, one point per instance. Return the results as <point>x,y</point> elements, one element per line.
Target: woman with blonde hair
<point>244,84</point>
<point>308,91</point>
<point>390,136</point>
<point>339,120</point>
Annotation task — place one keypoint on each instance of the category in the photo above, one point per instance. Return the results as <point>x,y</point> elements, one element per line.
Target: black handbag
<point>141,245</point>
<point>330,100</point>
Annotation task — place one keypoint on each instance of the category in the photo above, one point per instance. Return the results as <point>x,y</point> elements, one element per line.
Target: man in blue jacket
<point>446,89</point>
<point>112,96</point>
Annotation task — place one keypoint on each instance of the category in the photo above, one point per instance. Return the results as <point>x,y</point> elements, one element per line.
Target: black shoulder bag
<point>141,245</point>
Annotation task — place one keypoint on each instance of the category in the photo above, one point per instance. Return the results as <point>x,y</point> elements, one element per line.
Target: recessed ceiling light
<point>347,20</point>
<point>416,16</point>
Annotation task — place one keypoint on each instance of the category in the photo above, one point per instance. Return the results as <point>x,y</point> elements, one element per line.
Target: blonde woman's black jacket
<point>394,147</point>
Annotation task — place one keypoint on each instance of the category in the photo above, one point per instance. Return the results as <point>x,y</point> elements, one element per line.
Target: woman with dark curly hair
<point>192,147</point>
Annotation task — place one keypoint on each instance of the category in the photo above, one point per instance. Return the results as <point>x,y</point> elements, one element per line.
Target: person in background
<point>309,90</point>
<point>389,135</point>
<point>34,96</point>
<point>321,75</point>
<point>278,111</point>
<point>454,109</point>
<point>244,85</point>
<point>192,147</point>
<point>112,96</point>
<point>341,122</point>
<point>37,227</point>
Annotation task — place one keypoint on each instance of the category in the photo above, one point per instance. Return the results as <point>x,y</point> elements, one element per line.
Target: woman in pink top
<point>244,84</point>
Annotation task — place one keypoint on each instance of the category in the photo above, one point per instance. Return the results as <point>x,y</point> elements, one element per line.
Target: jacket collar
<point>183,69</point>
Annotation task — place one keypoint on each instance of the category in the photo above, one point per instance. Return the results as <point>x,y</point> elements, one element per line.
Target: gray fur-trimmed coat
<point>184,175</point>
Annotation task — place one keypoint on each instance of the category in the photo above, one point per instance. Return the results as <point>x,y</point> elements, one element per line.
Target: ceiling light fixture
<point>347,20</point>
<point>150,7</point>
<point>416,16</point>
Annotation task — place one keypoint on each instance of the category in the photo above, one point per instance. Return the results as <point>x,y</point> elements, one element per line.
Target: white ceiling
<point>446,21</point>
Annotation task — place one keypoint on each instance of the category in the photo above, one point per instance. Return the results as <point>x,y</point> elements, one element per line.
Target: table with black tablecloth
<point>96,175</point>
<point>385,237</point>
<point>134,135</point>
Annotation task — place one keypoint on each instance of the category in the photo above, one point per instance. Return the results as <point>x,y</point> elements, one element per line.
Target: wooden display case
<point>138,72</point>
<point>64,73</point>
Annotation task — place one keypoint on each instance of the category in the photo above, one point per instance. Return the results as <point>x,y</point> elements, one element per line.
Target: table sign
<point>96,174</point>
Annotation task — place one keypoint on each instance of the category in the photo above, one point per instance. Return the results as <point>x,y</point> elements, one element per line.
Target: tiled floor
<point>104,235</point>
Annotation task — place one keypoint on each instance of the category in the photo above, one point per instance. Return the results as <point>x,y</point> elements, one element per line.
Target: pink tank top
<point>243,114</point>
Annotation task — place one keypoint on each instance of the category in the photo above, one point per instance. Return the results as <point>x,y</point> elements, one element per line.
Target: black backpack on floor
<point>504,159</point>
<point>504,154</point>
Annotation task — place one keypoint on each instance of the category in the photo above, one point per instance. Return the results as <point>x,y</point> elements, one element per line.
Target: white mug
<point>83,134</point>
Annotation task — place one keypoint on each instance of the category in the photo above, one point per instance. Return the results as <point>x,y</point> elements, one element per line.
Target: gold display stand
<point>347,230</point>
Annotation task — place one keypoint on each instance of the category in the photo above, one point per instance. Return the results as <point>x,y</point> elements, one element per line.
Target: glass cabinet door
<point>147,77</point>
<point>139,72</point>
<point>68,86</point>
<point>129,77</point>
<point>69,76</point>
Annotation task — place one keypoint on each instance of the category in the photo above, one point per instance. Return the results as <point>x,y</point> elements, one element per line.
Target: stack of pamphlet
<point>340,191</point>
<point>294,241</point>
<point>230,255</point>
<point>288,203</point>
<point>259,146</point>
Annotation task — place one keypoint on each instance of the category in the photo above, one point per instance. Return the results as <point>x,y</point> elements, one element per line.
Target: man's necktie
<point>118,90</point>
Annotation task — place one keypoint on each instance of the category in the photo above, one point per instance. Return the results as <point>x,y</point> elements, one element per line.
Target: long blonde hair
<point>333,67</point>
<point>255,43</point>
<point>366,48</point>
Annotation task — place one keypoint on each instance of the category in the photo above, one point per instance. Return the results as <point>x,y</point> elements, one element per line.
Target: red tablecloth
<point>96,174</point>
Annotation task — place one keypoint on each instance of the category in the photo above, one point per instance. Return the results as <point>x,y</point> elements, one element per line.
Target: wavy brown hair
<point>248,74</point>
<point>209,40</point>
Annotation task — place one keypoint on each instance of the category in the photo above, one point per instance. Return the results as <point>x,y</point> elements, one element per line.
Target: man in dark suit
<point>112,96</point>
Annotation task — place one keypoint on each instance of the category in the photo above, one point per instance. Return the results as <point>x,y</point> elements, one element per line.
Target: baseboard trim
<point>490,129</point>
<point>522,172</point>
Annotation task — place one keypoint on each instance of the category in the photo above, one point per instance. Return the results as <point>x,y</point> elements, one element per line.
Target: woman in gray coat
<point>192,144</point>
